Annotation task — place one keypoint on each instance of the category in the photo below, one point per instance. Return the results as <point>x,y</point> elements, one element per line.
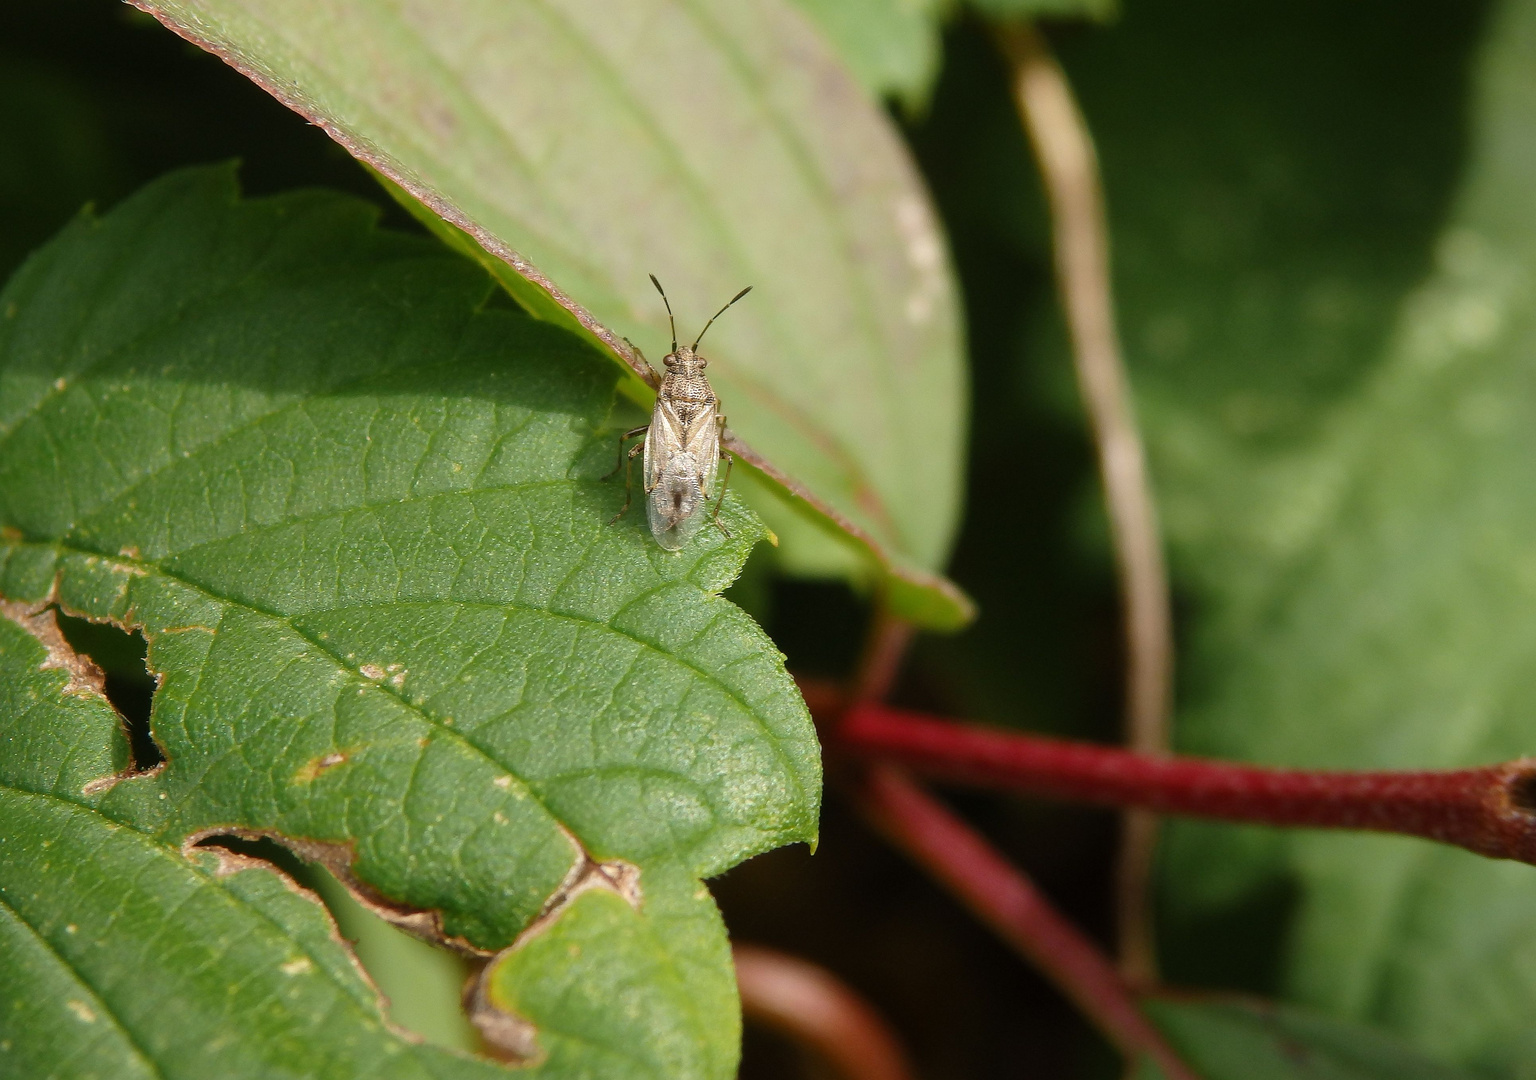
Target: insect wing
<point>664,436</point>
<point>703,442</point>
<point>672,490</point>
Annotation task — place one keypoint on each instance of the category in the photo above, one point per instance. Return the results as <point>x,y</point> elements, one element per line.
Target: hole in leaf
<point>422,984</point>
<point>129,685</point>
<point>1522,791</point>
<point>266,850</point>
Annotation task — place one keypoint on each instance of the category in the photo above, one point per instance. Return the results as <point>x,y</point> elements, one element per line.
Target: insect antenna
<point>717,314</point>
<point>671,321</point>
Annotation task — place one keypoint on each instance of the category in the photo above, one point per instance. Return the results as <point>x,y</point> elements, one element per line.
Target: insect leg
<point>629,491</point>
<point>624,438</point>
<point>730,459</point>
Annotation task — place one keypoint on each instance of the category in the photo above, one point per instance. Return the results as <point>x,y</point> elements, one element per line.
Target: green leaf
<point>633,1000</point>
<point>355,509</point>
<point>1251,1040</point>
<point>891,46</point>
<point>1331,316</point>
<point>123,957</point>
<point>713,143</point>
<point>422,985</point>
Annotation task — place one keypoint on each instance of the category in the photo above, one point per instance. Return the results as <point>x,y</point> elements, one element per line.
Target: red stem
<point>885,647</point>
<point>1003,898</point>
<point>1489,810</point>
<point>813,1007</point>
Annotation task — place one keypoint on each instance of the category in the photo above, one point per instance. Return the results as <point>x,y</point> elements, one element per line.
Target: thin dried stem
<point>1069,168</point>
<point>1489,810</point>
<point>1001,896</point>
<point>816,1009</point>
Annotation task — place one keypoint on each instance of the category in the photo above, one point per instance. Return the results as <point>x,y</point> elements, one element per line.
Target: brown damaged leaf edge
<point>963,606</point>
<point>514,1039</point>
<point>337,857</point>
<point>233,862</point>
<point>41,621</point>
<point>85,677</point>
<point>617,876</point>
<point>509,1038</point>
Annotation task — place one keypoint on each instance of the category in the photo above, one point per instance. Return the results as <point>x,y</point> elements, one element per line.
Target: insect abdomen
<point>673,505</point>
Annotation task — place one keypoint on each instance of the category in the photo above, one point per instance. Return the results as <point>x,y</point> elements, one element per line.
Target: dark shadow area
<point>963,1004</point>
<point>266,850</point>
<point>1044,652</point>
<point>1239,947</point>
<point>819,625</point>
<point>129,685</point>
<point>1522,792</point>
<point>773,1056</point>
<point>100,99</point>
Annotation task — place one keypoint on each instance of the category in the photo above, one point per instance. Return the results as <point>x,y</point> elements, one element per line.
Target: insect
<point>682,443</point>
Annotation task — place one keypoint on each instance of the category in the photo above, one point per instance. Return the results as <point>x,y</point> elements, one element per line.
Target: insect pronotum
<point>682,443</point>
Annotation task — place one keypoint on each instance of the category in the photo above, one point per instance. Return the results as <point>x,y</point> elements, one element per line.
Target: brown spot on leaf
<point>312,769</point>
